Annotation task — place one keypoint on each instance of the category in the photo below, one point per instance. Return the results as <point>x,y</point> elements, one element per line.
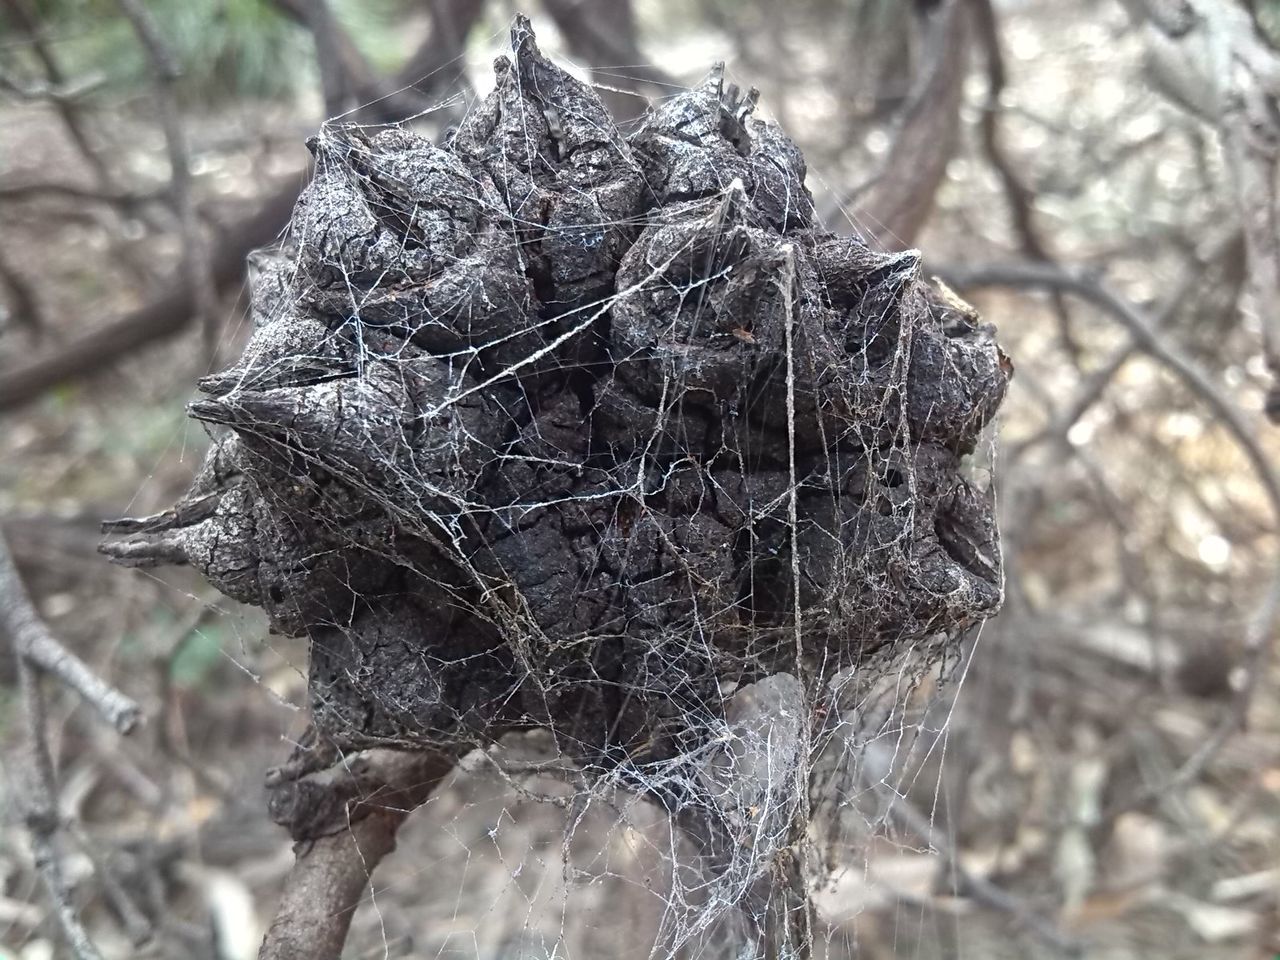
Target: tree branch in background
<point>195,265</point>
<point>1211,60</point>
<point>172,310</point>
<point>34,644</point>
<point>36,650</point>
<point>344,820</point>
<point>1094,384</point>
<point>163,317</point>
<point>1261,627</point>
<point>335,74</point>
<point>423,75</point>
<point>67,107</point>
<point>603,33</point>
<point>902,197</point>
<point>22,298</point>
<point>1019,196</point>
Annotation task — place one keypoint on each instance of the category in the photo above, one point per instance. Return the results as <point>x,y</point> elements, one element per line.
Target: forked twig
<point>36,649</point>
<point>1258,635</point>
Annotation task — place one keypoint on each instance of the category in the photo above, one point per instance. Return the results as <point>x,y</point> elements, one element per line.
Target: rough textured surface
<point>542,426</point>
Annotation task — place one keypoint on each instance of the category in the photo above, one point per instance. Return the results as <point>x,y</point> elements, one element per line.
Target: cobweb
<point>594,461</point>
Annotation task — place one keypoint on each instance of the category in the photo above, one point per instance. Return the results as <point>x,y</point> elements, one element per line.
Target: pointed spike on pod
<point>732,204</point>
<point>218,411</point>
<point>290,351</point>
<point>270,411</point>
<point>357,423</point>
<point>892,275</point>
<point>713,83</point>
<point>900,268</point>
<point>161,551</point>
<point>271,273</point>
<point>524,43</point>
<point>221,383</point>
<point>182,514</point>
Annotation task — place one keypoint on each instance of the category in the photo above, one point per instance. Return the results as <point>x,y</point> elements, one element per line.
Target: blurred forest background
<point>1103,779</point>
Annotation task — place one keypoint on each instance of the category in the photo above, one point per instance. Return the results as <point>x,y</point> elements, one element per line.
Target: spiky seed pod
<point>545,426</point>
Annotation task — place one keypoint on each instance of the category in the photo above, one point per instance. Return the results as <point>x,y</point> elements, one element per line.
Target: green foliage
<point>1268,12</point>
<point>227,48</point>
<point>197,656</point>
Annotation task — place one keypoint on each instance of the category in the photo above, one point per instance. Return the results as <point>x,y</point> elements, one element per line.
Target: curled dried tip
<point>221,383</point>
<point>183,514</point>
<point>247,408</point>
<point>212,411</point>
<point>146,553</point>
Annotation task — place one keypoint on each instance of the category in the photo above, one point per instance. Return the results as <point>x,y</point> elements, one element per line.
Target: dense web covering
<point>545,427</point>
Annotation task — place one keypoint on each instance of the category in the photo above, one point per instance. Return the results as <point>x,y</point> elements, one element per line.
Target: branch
<point>164,317</point>
<point>336,55</point>
<point>67,108</point>
<point>35,648</point>
<point>164,68</point>
<point>1095,384</point>
<point>40,815</point>
<point>34,644</point>
<point>345,820</point>
<point>1257,639</point>
<point>173,310</point>
<point>126,202</point>
<point>604,35</point>
<point>1019,196</point>
<point>756,779</point>
<point>901,199</point>
<point>26,308</point>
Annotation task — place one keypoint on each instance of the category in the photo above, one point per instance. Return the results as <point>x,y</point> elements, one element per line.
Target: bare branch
<point>23,298</point>
<point>36,649</point>
<point>1258,635</point>
<point>125,201</point>
<point>40,813</point>
<point>67,107</point>
<point>345,820</point>
<point>34,644</point>
<point>68,91</point>
<point>604,35</point>
<point>902,197</point>
<point>335,81</point>
<point>173,309</point>
<point>165,69</point>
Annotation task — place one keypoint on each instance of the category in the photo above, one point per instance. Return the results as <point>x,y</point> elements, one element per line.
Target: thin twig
<point>40,814</point>
<point>34,644</point>
<point>67,107</point>
<point>878,764</point>
<point>194,257</point>
<point>1259,632</point>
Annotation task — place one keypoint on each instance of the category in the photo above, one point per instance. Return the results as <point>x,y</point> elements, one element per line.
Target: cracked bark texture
<point>545,426</point>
